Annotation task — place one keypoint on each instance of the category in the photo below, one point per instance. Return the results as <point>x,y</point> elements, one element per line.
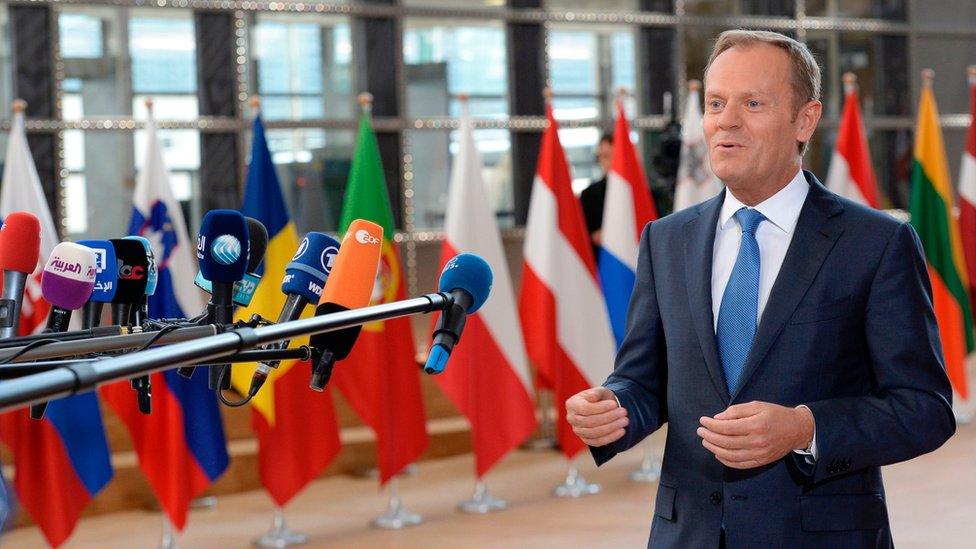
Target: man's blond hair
<point>805,73</point>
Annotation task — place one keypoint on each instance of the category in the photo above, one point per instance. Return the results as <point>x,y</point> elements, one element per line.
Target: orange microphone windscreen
<point>351,281</point>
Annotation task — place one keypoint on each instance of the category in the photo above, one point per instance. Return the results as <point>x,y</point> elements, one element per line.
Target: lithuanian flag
<point>932,216</point>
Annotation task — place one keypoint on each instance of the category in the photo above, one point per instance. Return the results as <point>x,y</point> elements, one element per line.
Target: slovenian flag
<point>181,445</point>
<point>627,208</point>
<point>62,461</point>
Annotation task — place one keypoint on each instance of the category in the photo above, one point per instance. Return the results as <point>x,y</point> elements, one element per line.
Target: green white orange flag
<point>931,209</point>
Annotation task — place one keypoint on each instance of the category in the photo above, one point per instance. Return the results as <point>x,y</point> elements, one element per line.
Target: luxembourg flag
<point>181,445</point>
<point>62,461</point>
<point>627,208</point>
<point>851,174</point>
<point>967,192</point>
<point>561,306</point>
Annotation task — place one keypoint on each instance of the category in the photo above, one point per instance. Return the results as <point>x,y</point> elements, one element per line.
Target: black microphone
<point>66,283</point>
<point>304,278</point>
<point>133,276</point>
<point>139,314</point>
<point>106,280</point>
<point>467,278</point>
<point>20,243</point>
<point>222,250</point>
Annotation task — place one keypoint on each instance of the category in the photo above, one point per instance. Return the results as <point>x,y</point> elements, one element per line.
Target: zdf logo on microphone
<point>363,237</point>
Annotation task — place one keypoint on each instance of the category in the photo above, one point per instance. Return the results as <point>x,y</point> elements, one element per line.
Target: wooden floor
<point>932,503</point>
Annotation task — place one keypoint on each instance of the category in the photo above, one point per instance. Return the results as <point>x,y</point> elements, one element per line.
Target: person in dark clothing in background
<point>592,197</point>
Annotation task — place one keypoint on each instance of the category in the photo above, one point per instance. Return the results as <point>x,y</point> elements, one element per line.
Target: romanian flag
<point>381,378</point>
<point>297,432</point>
<point>932,216</point>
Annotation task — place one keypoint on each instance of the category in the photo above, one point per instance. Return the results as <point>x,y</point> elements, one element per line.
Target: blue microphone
<point>106,281</point>
<point>305,277</point>
<point>467,278</point>
<point>223,248</point>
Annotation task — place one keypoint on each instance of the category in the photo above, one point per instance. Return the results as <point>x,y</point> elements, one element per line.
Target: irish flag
<point>564,317</point>
<point>851,174</point>
<point>932,216</point>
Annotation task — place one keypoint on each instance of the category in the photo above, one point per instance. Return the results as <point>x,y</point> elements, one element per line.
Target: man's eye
<point>714,105</point>
<point>754,104</point>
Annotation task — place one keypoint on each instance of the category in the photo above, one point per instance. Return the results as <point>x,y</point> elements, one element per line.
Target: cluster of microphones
<point>338,278</point>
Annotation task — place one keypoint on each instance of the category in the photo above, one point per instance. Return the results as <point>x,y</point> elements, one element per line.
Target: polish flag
<point>564,317</point>
<point>489,379</point>
<point>851,174</point>
<point>967,192</point>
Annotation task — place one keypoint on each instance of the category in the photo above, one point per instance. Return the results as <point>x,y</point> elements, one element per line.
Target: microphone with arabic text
<point>244,288</point>
<point>304,278</point>
<point>67,282</point>
<point>350,286</point>
<point>106,279</point>
<point>222,250</point>
<point>467,278</point>
<point>20,245</point>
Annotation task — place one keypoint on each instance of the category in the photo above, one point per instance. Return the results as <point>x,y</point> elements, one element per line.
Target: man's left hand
<point>751,435</point>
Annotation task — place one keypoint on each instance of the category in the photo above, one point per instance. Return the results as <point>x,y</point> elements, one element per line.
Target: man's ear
<point>808,117</point>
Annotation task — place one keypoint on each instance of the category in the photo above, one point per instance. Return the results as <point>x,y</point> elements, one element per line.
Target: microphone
<point>142,384</point>
<point>350,286</point>
<point>304,278</point>
<point>467,278</point>
<point>133,273</point>
<point>20,244</point>
<point>106,280</point>
<point>67,282</point>
<point>244,289</point>
<point>222,250</point>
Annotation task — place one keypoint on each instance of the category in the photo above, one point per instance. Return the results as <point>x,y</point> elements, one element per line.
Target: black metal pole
<point>86,376</point>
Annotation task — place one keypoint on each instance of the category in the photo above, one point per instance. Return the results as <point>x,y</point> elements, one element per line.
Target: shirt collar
<point>782,209</point>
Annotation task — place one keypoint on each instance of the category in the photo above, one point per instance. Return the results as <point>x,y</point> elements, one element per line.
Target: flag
<point>381,378</point>
<point>851,174</point>
<point>561,306</point>
<point>932,217</point>
<point>62,461</point>
<point>488,376</point>
<point>22,191</point>
<point>181,445</point>
<point>627,208</point>
<point>696,182</point>
<point>967,194</point>
<point>291,450</point>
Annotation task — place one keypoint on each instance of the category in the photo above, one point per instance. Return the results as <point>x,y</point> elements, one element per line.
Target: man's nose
<point>729,118</point>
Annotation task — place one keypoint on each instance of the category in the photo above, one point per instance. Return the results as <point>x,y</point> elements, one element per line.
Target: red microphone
<point>20,246</point>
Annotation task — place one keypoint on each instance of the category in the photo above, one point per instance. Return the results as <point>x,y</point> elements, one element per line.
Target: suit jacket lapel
<point>816,231</point>
<point>699,241</point>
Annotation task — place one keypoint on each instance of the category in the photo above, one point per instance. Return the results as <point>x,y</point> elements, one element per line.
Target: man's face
<point>751,124</point>
<point>604,154</point>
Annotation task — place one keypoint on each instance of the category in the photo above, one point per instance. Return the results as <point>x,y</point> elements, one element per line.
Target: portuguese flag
<point>932,216</point>
<point>381,377</point>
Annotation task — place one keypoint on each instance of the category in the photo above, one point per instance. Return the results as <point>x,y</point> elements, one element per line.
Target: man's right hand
<point>596,416</point>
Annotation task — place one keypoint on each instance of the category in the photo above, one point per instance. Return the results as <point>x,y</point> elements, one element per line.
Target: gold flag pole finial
<point>928,75</point>
<point>850,82</point>
<point>18,106</point>
<point>365,101</point>
<point>694,85</point>
<point>255,103</point>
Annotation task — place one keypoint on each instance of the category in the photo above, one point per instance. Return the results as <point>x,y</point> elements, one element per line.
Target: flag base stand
<point>396,517</point>
<point>279,535</point>
<point>650,469</point>
<point>575,486</point>
<point>482,502</point>
<point>168,541</point>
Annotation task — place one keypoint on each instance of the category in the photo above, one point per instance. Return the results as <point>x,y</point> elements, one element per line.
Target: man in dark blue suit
<point>785,334</point>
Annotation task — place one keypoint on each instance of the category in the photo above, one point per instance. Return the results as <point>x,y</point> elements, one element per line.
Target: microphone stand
<point>86,376</point>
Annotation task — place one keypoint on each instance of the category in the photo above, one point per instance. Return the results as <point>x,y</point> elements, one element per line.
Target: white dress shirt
<point>774,234</point>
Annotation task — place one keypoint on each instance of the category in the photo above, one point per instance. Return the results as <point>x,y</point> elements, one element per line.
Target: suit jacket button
<point>716,498</point>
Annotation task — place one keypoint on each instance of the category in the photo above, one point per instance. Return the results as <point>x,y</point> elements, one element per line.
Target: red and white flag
<point>967,193</point>
<point>696,182</point>
<point>851,174</point>
<point>564,317</point>
<point>22,191</point>
<point>489,378</point>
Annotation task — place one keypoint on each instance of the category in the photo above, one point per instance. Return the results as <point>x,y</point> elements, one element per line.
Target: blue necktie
<point>740,302</point>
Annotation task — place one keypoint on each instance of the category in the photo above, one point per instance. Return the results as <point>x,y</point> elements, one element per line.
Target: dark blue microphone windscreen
<point>222,246</point>
<point>307,272</point>
<point>468,272</point>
